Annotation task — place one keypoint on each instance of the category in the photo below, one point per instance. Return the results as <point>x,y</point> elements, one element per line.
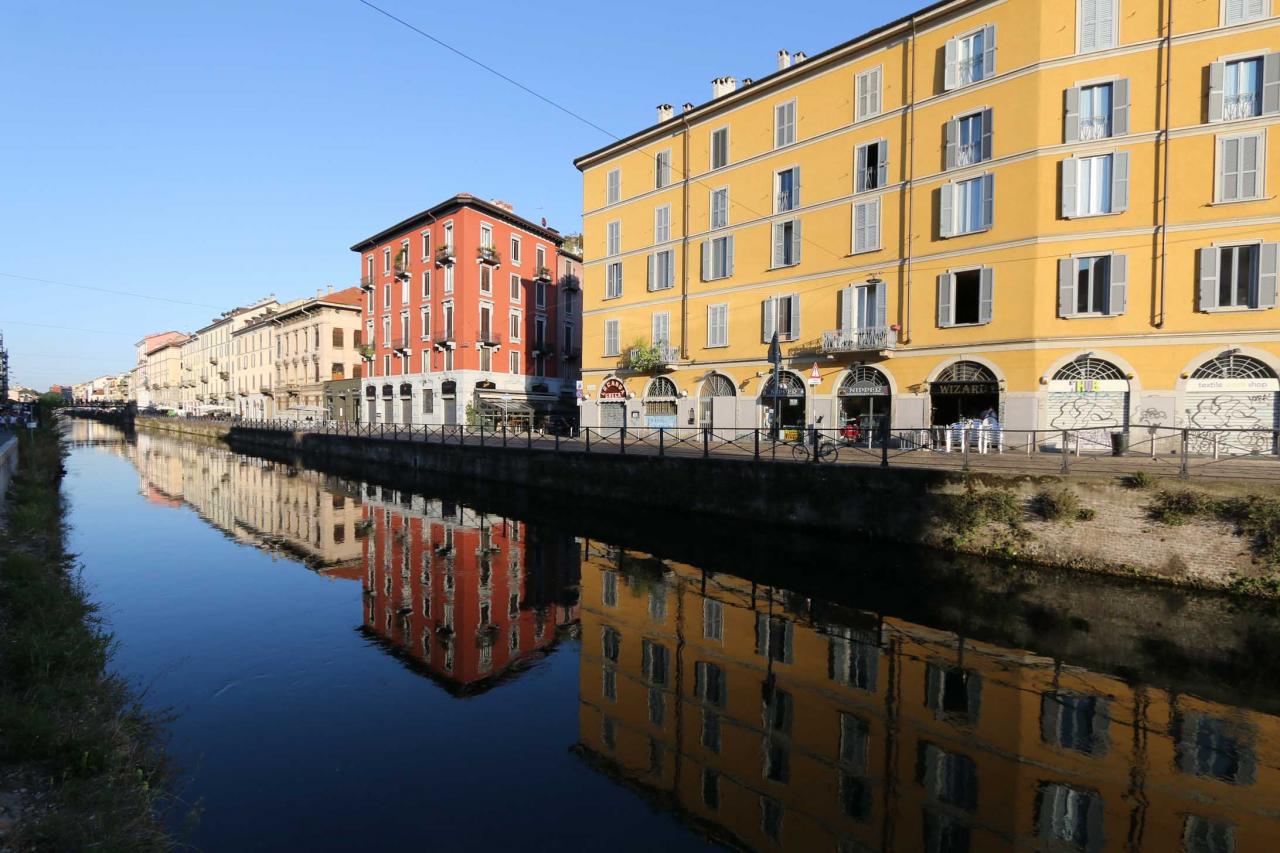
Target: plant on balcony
<point>542,273</point>
<point>402,260</point>
<point>366,352</point>
<point>488,255</point>
<point>644,357</point>
<point>444,255</point>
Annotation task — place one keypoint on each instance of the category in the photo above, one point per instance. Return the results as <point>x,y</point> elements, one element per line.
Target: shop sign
<point>955,388</point>
<point>613,389</point>
<point>864,389</point>
<point>1088,386</point>
<point>1256,384</point>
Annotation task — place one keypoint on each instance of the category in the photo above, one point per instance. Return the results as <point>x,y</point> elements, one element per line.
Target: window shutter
<point>706,260</point>
<point>946,282</point>
<point>795,316</point>
<point>953,142</point>
<point>1249,155</point>
<point>795,242</point>
<point>728,255</point>
<point>1229,170</point>
<point>1066,287</point>
<point>862,83</point>
<point>1120,182</point>
<point>988,200</point>
<point>1071,124</point>
<point>1217,71</point>
<point>859,227</point>
<point>651,280</point>
<point>777,244</point>
<point>1106,21</point>
<point>1089,24</point>
<point>882,163</point>
<point>949,55</point>
<point>873,224</point>
<point>987,117</point>
<point>1118,295</point>
<point>860,169</point>
<point>1271,84</point>
<point>882,304</point>
<point>711,325</point>
<point>986,295</point>
<point>946,210</point>
<point>795,187</point>
<point>873,97</point>
<point>1069,170</point>
<point>1208,295</point>
<point>1267,263</point>
<point>989,51</point>
<point>1233,12</point>
<point>847,295</point>
<point>769,318</point>
<point>1120,107</point>
<point>779,116</point>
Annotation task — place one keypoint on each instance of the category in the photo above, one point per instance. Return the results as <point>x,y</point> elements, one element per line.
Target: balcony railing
<point>445,337</point>
<point>968,71</point>
<point>1094,128</point>
<point>546,346</point>
<point>402,345</point>
<point>666,353</point>
<point>366,282</point>
<point>488,338</point>
<point>542,274</point>
<point>968,154</point>
<point>570,282</point>
<point>445,256</point>
<point>402,270</point>
<point>868,338</point>
<point>786,201</point>
<point>1236,107</point>
<point>488,255</point>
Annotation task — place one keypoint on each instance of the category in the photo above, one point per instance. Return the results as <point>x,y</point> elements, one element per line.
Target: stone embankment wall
<point>1115,534</point>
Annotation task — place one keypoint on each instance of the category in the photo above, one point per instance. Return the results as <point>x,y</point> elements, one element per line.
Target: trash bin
<point>1119,443</point>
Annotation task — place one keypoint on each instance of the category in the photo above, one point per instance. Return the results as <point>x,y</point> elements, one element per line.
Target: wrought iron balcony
<point>488,255</point>
<point>402,346</point>
<point>445,338</point>
<point>488,338</point>
<point>1235,107</point>
<point>968,154</point>
<point>542,274</point>
<point>865,339</point>
<point>366,282</point>
<point>570,353</point>
<point>968,71</point>
<point>445,256</point>
<point>666,354</point>
<point>570,282</point>
<point>786,201</point>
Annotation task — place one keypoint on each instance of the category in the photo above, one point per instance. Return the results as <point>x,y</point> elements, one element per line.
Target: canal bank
<point>1218,535</point>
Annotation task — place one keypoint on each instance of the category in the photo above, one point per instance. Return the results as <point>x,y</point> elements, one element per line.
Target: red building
<point>469,598</point>
<point>466,318</point>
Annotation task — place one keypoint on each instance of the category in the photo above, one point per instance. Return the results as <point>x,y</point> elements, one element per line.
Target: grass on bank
<point>79,732</point>
<point>1255,517</point>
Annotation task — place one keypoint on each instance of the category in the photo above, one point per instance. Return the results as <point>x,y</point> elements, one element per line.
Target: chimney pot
<point>784,60</point>
<point>799,57</point>
<point>664,112</point>
<point>686,106</point>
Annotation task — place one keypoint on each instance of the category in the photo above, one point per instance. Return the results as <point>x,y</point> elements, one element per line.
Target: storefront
<point>1089,396</point>
<point>783,404</point>
<point>716,400</point>
<point>406,403</point>
<point>1228,393</point>
<point>660,398</point>
<point>864,399</point>
<point>613,403</point>
<point>371,403</point>
<point>963,391</point>
<point>449,397</point>
<point>388,405</point>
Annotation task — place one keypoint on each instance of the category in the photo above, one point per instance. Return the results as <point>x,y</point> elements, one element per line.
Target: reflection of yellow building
<point>990,203</point>
<point>773,720</point>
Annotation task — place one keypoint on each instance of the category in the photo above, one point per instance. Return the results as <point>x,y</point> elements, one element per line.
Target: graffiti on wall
<point>1217,419</point>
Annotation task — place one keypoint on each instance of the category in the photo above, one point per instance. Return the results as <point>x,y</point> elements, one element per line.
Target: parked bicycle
<point>828,451</point>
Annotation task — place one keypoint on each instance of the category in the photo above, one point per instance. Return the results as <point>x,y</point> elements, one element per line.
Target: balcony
<point>1236,107</point>
<point>967,154</point>
<point>488,338</point>
<point>366,282</point>
<point>1092,129</point>
<point>204,379</point>
<point>785,202</point>
<point>445,338</point>
<point>366,352</point>
<point>570,353</point>
<point>488,255</point>
<point>658,355</point>
<point>542,347</point>
<point>402,269</point>
<point>224,375</point>
<point>542,274</point>
<point>570,282</point>
<point>402,346</point>
<point>265,390</point>
<point>865,339</point>
<point>213,359</point>
<point>445,256</point>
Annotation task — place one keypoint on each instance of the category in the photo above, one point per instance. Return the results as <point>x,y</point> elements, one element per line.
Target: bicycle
<point>828,451</point>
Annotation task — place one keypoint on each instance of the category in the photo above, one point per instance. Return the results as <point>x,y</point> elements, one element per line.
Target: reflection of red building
<point>470,598</point>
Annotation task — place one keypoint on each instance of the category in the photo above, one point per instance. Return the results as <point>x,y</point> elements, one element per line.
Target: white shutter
<point>1271,84</point>
<point>989,51</point>
<point>795,242</point>
<point>1120,182</point>
<point>873,225</point>
<point>1118,293</point>
<point>1228,169</point>
<point>1070,172</point>
<point>873,98</point>
<point>1232,12</point>
<point>795,316</point>
<point>986,295</point>
<point>882,163</point>
<point>728,255</point>
<point>946,210</point>
<point>847,295</point>
<point>988,200</point>
<point>706,260</point>
<point>1250,155</point>
<point>1208,283</point>
<point>769,318</point>
<point>1067,287</point>
<point>1071,123</point>
<point>652,280</point>
<point>946,283</point>
<point>1106,21</point>
<point>950,75</point>
<point>953,142</point>
<point>778,232</point>
<point>1267,273</point>
<point>859,227</point>
<point>1217,71</point>
<point>987,128</point>
<point>1120,107</point>
<point>1088,23</point>
<point>882,304</point>
<point>860,170</point>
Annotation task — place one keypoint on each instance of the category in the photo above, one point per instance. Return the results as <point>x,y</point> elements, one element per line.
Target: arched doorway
<point>864,403</point>
<point>1232,392</point>
<point>1091,395</point>
<point>660,403</point>
<point>783,403</point>
<point>613,403</point>
<point>963,391</point>
<point>716,400</point>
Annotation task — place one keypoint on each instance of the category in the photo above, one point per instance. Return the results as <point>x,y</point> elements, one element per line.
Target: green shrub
<point>974,509</point>
<point>1177,506</point>
<point>1086,513</point>
<point>1056,504</point>
<point>1139,480</point>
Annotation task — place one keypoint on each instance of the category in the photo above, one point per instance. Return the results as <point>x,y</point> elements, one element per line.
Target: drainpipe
<point>1164,195</point>
<point>684,243</point>
<point>905,307</point>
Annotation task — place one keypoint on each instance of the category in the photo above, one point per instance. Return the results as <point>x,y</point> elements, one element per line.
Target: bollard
<point>1184,472</point>
<point>622,439</point>
<point>964,446</point>
<point>756,436</point>
<point>884,450</point>
<point>1066,451</point>
<point>482,433</point>
<point>706,442</point>
<point>529,437</point>
<point>557,437</point>
<point>504,433</point>
<point>662,441</point>
<point>588,450</point>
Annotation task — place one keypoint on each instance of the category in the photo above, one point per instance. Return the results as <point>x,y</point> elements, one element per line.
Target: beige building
<point>316,341</point>
<point>253,347</point>
<point>162,374</point>
<point>207,359</point>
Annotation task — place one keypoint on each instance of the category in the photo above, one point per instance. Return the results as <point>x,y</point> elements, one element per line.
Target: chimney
<point>723,86</point>
<point>686,106</point>
<point>784,60</point>
<point>505,205</point>
<point>799,57</point>
<point>664,112</point>
<point>747,81</point>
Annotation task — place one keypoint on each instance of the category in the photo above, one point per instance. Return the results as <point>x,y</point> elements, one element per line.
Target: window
<point>1240,162</point>
<point>662,272</point>
<point>404,291</point>
<point>386,261</point>
<point>426,245</point>
<point>710,789</point>
<point>386,297</point>
<point>448,279</point>
<point>967,206</point>
<point>540,294</point>
<point>712,619</point>
<point>1238,276</point>
<point>871,166</point>
<point>965,297</point>
<point>1096,25</point>
<point>867,95</point>
<point>386,331</point>
<point>786,190</point>
<point>866,226</point>
<point>337,341</point>
<point>515,325</point>
<point>1093,186</point>
<point>1243,11</point>
<point>718,325</point>
<point>515,287</point>
<point>717,258</point>
<point>720,148</point>
<point>970,58</point>
<point>1092,285</point>
<point>448,236</point>
<point>386,365</point>
<point>426,284</point>
<point>720,207</point>
<point>426,322</point>
<point>1097,112</point>
<point>969,139</point>
<point>660,328</point>
<point>613,280</point>
<point>613,238</point>
<point>513,361</point>
<point>781,314</point>
<point>662,224</point>
<point>613,186</point>
<point>1236,88</point>
<point>515,250</point>
<point>786,243</point>
<point>611,345</point>
<point>662,168</point>
<point>609,589</point>
<point>1201,835</point>
<point>784,124</point>
<point>948,777</point>
<point>486,278</point>
<point>540,333</point>
<point>863,306</point>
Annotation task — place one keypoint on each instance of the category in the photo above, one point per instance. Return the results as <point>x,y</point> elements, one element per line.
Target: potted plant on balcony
<point>444,255</point>
<point>402,262</point>
<point>366,352</point>
<point>488,255</point>
<point>542,274</point>
<point>644,357</point>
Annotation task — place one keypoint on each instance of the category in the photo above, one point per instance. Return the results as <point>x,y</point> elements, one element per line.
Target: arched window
<point>718,385</point>
<point>1086,367</point>
<point>789,386</point>
<point>863,380</point>
<point>1233,366</point>
<point>966,371</point>
<point>660,402</point>
<point>661,388</point>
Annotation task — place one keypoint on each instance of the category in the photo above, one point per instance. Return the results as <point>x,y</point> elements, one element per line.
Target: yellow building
<point>773,721</point>
<point>990,204</point>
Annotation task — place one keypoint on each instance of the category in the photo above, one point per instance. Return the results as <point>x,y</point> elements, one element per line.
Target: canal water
<point>365,663</point>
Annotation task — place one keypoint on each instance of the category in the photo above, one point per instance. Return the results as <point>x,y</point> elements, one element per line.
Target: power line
<point>65,328</point>
<point>109,290</point>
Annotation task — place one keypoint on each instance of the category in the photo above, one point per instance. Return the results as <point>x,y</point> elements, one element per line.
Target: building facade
<point>163,374</point>
<point>461,316</point>
<point>208,360</point>
<point>141,388</point>
<point>985,206</point>
<point>316,341</point>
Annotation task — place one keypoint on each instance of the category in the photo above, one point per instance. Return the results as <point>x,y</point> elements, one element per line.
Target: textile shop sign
<point>1259,384</point>
<point>955,388</point>
<point>613,389</point>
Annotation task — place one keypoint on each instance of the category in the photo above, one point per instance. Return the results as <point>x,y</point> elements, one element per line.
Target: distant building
<point>207,357</point>
<point>141,389</point>
<point>316,341</point>
<point>342,400</point>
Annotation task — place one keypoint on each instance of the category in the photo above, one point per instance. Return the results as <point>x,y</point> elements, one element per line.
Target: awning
<point>498,407</point>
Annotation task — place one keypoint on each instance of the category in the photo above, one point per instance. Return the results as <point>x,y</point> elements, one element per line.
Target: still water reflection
<point>515,685</point>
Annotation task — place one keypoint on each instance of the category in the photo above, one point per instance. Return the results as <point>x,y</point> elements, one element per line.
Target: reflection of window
<point>1073,721</point>
<point>853,663</point>
<point>779,708</point>
<point>1215,748</point>
<point>1201,835</point>
<point>611,641</point>
<point>657,706</point>
<point>944,833</point>
<point>708,683</point>
<point>711,730</point>
<point>855,796</point>
<point>655,757</point>
<point>658,603</point>
<point>855,738</point>
<point>948,777</point>
<point>777,761</point>
<point>774,638</point>
<point>609,589</point>
<point>953,692</point>
<point>710,789</point>
<point>654,661</point>
<point>1070,816</point>
<point>608,733</point>
<point>712,620</point>
<point>771,818</point>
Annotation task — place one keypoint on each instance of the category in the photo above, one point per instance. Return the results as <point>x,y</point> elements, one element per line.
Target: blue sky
<point>215,151</point>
